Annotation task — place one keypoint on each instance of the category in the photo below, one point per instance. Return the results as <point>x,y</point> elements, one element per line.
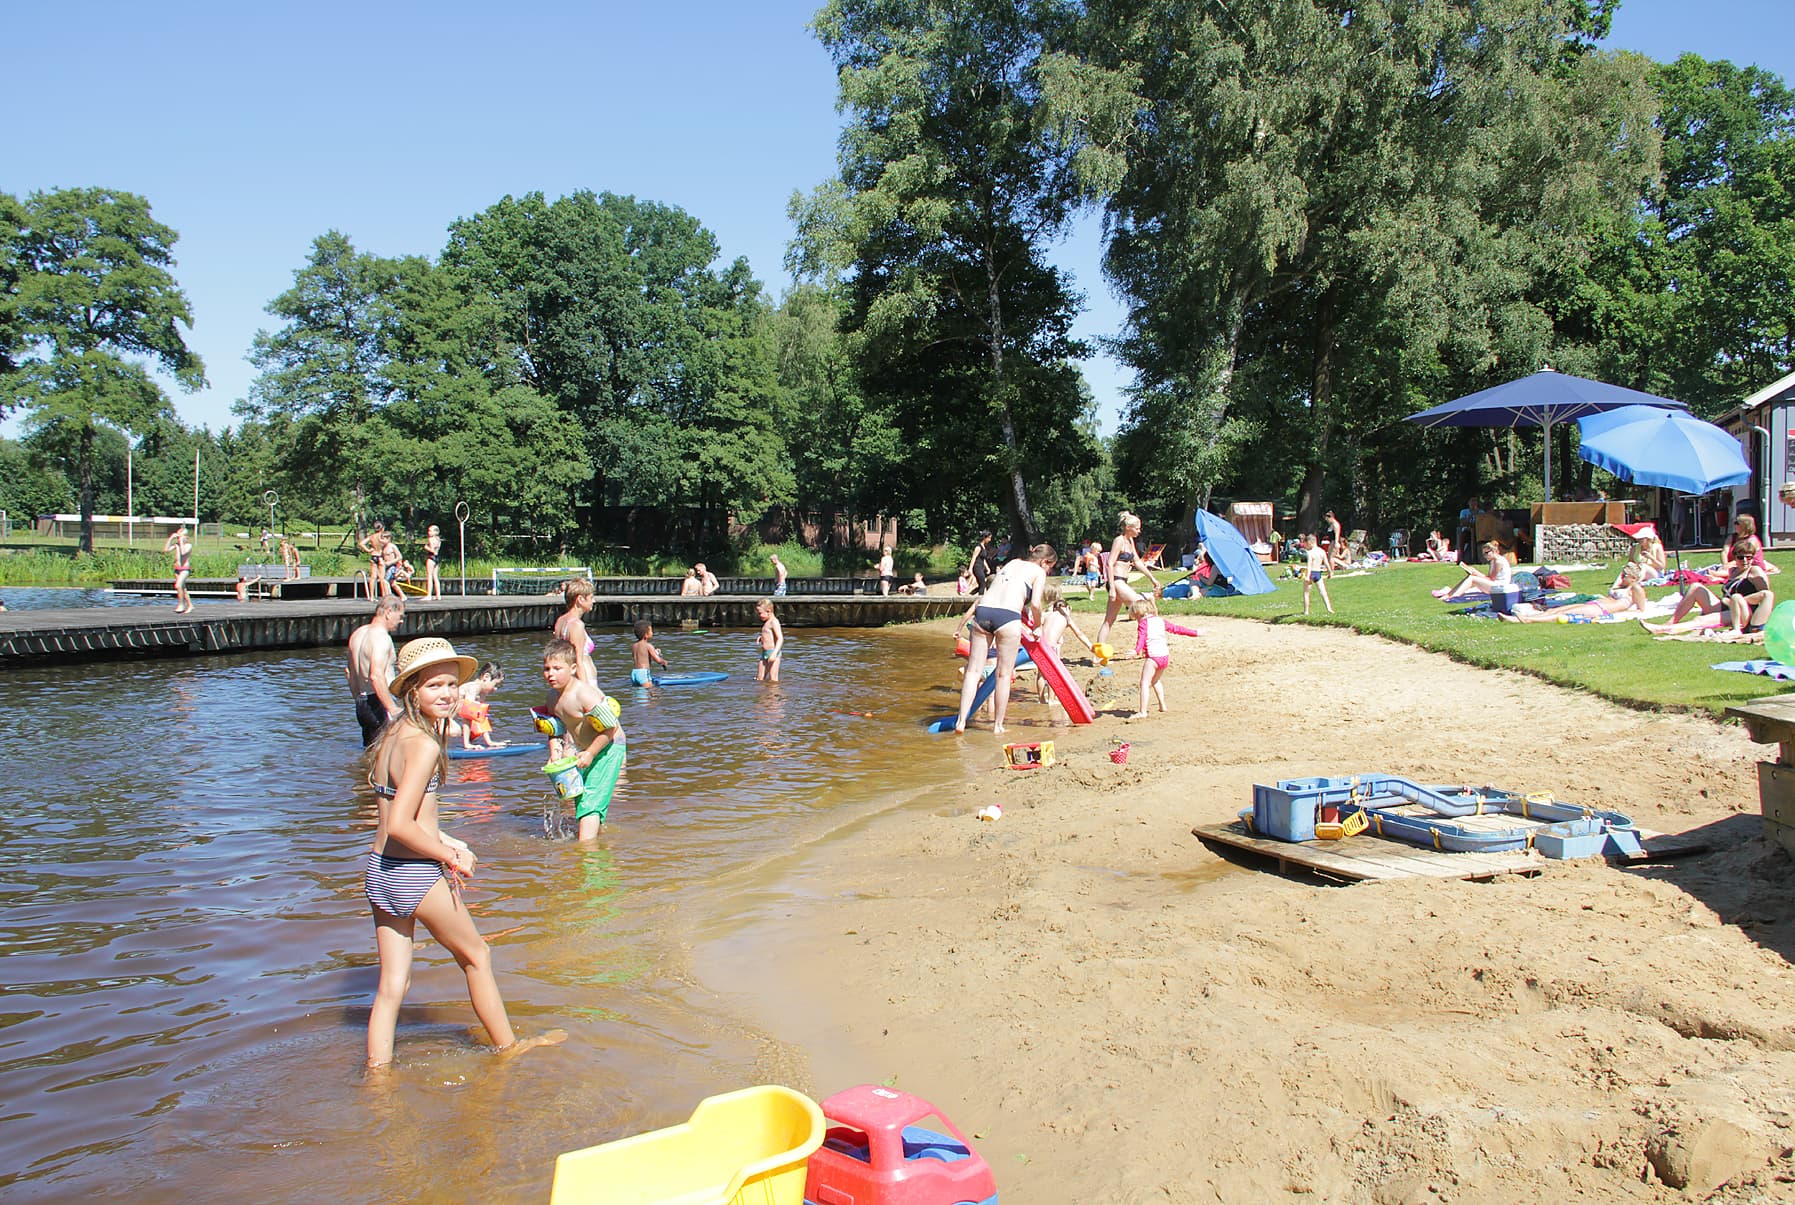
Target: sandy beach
<point>1118,1014</point>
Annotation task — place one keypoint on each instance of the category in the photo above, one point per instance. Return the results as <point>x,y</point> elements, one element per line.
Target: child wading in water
<point>415,871</point>
<point>1150,642</point>
<point>1318,569</point>
<point>593,727</point>
<point>475,713</point>
<point>771,642</point>
<point>643,654</point>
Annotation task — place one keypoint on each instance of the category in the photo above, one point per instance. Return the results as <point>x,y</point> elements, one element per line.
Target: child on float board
<point>592,727</point>
<point>771,641</point>
<point>473,717</point>
<point>1150,644</point>
<point>414,870</point>
<point>643,654</point>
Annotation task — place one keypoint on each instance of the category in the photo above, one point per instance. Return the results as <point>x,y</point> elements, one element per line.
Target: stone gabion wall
<point>1582,543</point>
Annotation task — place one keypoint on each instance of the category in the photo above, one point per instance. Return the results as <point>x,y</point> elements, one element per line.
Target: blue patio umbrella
<point>1668,448</point>
<point>1537,401</point>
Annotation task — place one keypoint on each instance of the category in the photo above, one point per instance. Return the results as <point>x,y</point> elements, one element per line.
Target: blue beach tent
<point>1233,556</point>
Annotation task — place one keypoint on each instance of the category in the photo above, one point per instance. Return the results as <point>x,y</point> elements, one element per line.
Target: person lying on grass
<point>1628,597</point>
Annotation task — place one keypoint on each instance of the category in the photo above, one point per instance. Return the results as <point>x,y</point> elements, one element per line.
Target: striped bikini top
<point>385,791</point>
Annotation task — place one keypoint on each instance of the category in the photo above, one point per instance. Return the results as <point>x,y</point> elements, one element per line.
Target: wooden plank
<point>1367,857</point>
<point>1782,834</point>
<point>1776,792</point>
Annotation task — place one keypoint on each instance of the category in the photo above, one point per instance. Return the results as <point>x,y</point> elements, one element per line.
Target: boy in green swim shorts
<point>593,728</point>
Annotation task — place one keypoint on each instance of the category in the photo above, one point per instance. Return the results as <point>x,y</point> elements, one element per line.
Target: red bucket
<point>1119,754</point>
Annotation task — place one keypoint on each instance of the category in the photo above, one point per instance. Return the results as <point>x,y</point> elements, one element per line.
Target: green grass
<point>1620,662</point>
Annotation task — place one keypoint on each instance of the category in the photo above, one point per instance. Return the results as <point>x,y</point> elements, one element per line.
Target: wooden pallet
<point>1366,857</point>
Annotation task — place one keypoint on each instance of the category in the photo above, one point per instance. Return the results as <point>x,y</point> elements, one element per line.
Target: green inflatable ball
<point>1779,633</point>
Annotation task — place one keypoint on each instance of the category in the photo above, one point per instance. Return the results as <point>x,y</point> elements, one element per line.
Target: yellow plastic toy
<point>1103,651</point>
<point>747,1147</point>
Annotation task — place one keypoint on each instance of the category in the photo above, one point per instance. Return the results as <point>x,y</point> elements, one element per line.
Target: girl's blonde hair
<point>414,717</point>
<point>1140,608</point>
<point>1050,595</point>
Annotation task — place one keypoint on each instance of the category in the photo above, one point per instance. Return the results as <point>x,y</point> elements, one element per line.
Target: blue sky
<point>254,127</point>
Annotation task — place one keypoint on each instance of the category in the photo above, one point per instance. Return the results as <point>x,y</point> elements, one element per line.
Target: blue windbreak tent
<point>1232,555</point>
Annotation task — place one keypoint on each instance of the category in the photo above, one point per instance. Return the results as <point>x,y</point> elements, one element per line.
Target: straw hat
<point>427,652</point>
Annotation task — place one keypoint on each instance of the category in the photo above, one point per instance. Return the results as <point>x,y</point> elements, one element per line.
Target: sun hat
<point>425,653</point>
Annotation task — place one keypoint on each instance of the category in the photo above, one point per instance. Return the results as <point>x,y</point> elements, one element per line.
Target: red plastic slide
<point>1053,673</point>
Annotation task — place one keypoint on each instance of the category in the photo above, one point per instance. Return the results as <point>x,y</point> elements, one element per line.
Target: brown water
<point>189,960</point>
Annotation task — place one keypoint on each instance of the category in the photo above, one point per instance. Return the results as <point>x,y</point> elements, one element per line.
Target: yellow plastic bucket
<point>747,1147</point>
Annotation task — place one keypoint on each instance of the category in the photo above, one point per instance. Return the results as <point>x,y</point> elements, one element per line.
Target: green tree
<point>93,302</point>
<point>1308,181</point>
<point>29,485</point>
<point>1693,295</point>
<point>949,195</point>
<point>610,306</point>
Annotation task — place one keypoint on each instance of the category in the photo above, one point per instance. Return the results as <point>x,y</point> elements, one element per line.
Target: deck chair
<point>1152,555</point>
<point>1355,544</point>
<point>1399,545</point>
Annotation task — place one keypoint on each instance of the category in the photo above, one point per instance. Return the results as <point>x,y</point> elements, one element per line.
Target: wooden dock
<point>1367,858</point>
<point>88,634</point>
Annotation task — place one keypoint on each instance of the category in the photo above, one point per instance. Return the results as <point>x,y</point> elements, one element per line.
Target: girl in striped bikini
<point>414,871</point>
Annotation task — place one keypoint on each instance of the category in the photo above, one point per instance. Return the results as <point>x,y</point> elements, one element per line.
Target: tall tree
<point>949,196</point>
<point>1694,295</point>
<point>1305,176</point>
<point>611,307</point>
<point>94,302</point>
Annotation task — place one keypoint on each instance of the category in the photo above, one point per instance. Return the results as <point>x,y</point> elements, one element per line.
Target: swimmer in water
<point>771,641</point>
<point>414,871</point>
<point>643,654</point>
<point>571,627</point>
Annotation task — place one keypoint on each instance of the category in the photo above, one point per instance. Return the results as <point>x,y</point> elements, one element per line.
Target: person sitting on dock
<point>690,588</point>
<point>370,668</point>
<point>707,581</point>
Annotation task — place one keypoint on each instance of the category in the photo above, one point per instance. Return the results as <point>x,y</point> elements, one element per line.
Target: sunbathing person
<point>1744,593</point>
<point>1628,597</point>
<point>1648,554</point>
<point>1500,577</point>
<point>1439,548</point>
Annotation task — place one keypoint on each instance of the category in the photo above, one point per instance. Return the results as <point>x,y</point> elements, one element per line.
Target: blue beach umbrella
<point>1539,400</point>
<point>1668,448</point>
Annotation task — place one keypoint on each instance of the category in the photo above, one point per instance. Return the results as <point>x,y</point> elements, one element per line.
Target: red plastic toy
<point>876,1153</point>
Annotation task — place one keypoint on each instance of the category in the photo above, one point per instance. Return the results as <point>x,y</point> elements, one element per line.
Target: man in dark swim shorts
<point>370,668</point>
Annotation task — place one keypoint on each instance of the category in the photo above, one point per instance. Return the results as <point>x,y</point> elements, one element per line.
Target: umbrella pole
<point>1547,427</point>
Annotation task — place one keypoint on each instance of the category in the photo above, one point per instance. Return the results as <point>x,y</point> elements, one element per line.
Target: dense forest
<point>1322,215</point>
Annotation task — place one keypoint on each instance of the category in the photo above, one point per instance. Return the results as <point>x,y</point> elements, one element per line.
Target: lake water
<point>44,598</point>
<point>189,958</point>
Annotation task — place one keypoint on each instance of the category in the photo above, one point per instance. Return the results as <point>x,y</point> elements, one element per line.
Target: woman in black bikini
<point>414,871</point>
<point>1013,592</point>
<point>1124,559</point>
<point>183,554</point>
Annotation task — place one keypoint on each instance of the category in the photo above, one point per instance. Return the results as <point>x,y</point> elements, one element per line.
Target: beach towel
<point>1769,669</point>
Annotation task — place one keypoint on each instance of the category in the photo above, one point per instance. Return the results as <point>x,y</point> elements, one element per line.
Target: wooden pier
<point>117,633</point>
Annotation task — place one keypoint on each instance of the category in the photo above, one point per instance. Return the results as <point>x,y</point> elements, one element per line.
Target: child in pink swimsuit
<point>1150,643</point>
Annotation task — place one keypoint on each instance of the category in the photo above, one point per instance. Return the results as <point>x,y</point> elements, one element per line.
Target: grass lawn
<point>1616,661</point>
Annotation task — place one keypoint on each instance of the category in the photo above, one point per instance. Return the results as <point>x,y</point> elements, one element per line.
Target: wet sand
<point>1118,1014</point>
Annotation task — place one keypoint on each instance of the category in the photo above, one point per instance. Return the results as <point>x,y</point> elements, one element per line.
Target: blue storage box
<point>1504,598</point>
<point>1287,811</point>
<point>1554,845</point>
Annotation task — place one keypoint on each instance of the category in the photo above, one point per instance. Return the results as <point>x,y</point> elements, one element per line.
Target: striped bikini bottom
<point>396,886</point>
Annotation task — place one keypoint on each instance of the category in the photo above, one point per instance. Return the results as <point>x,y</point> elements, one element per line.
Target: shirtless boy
<point>771,641</point>
<point>370,668</point>
<point>592,726</point>
<point>643,654</point>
